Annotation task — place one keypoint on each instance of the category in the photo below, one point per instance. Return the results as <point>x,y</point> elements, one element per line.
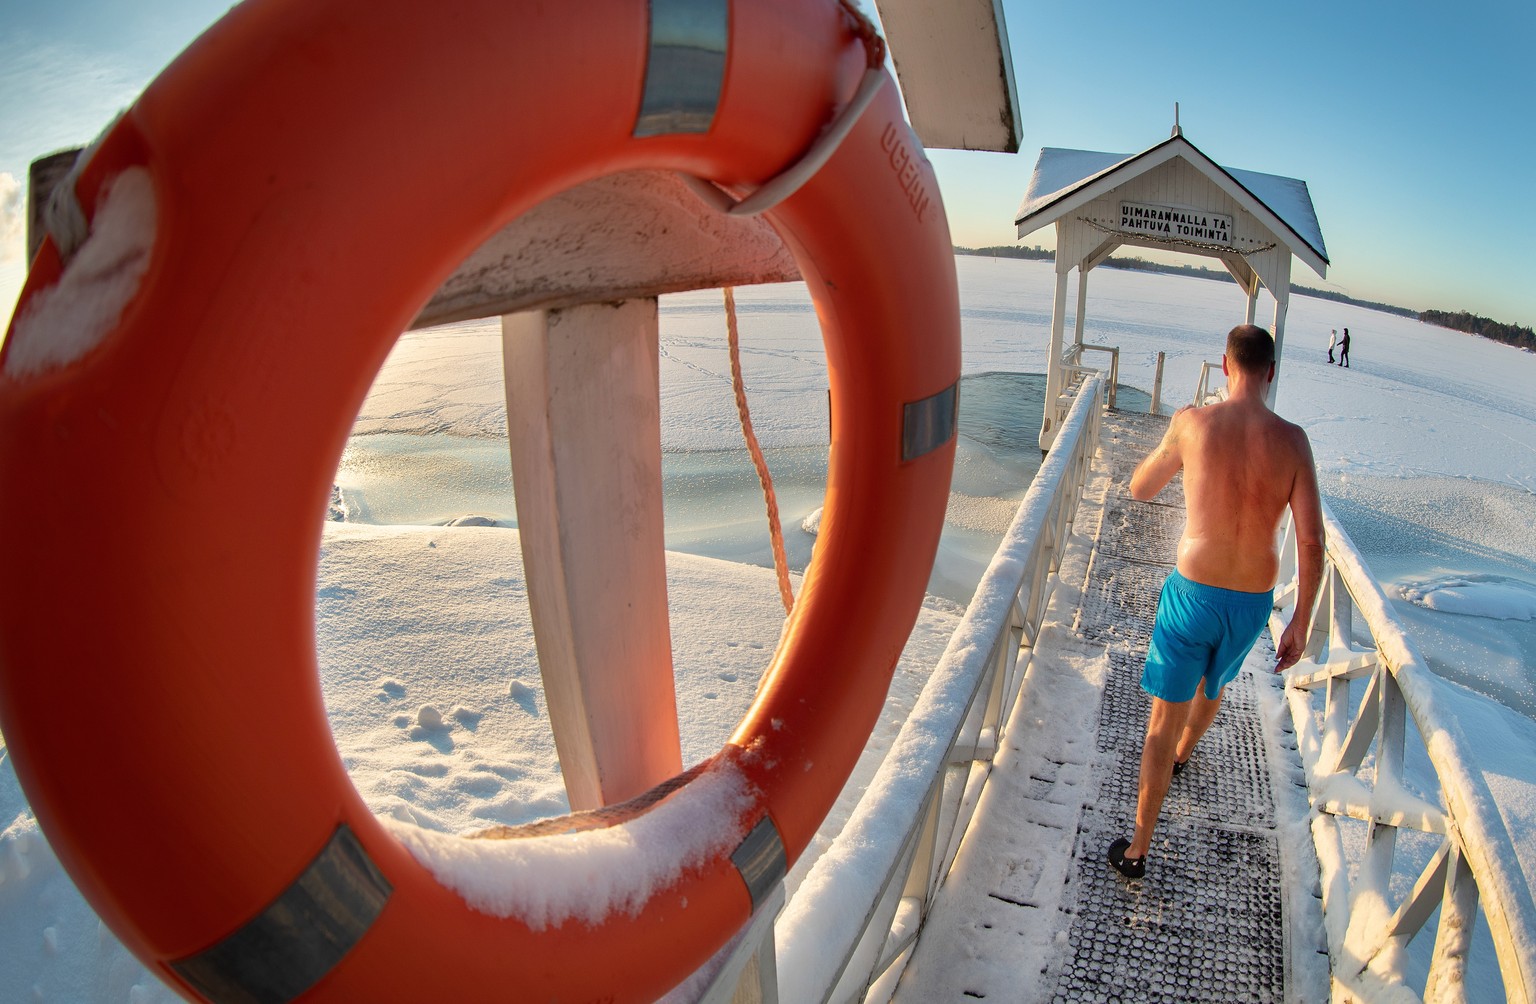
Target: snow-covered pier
<point>1333,838</point>
<point>1211,920</point>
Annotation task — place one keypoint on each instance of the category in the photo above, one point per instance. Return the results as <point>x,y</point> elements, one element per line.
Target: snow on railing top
<point>837,904</point>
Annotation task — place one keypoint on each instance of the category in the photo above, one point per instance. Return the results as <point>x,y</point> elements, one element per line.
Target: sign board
<point>1175,223</point>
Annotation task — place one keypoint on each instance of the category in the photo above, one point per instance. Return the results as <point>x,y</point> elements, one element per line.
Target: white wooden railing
<point>1076,370</point>
<point>893,853</point>
<point>1204,394</point>
<point>1378,892</point>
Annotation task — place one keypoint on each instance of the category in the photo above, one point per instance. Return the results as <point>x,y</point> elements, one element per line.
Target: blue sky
<point>1412,123</point>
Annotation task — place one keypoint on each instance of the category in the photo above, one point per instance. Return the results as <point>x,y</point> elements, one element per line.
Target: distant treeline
<point>1461,320</point>
<point>1035,253</point>
<point>1333,294</point>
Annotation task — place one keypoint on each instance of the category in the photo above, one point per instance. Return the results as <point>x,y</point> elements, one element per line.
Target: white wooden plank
<point>584,428</point>
<point>634,234</point>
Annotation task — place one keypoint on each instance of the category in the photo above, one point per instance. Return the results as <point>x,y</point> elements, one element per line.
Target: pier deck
<point>1031,911</point>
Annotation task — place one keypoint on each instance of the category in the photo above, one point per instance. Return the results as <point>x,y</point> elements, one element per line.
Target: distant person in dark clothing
<point>1333,339</point>
<point>1344,350</point>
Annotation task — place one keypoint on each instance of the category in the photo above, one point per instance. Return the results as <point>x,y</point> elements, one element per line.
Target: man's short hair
<point>1250,349</point>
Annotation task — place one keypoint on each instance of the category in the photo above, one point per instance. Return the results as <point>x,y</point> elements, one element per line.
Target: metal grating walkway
<point>1015,924</point>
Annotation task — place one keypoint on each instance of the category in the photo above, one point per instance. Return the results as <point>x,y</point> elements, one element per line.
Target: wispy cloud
<point>12,219</point>
<point>58,95</point>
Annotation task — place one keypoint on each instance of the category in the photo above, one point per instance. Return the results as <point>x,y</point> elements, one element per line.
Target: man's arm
<point>1158,467</point>
<point>1307,515</point>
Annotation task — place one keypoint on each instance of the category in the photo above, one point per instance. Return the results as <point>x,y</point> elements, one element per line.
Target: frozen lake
<point>1426,450</point>
<point>1426,446</point>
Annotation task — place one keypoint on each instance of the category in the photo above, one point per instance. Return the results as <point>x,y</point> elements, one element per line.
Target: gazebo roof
<point>1067,179</point>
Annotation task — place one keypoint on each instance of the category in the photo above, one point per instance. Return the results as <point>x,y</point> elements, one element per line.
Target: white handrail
<point>888,862</point>
<point>1203,393</point>
<point>1074,360</point>
<point>1370,921</point>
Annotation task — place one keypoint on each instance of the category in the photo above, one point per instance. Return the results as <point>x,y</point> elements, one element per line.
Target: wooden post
<point>1157,385</point>
<point>1448,964</point>
<point>584,427</point>
<point>1082,305</point>
<point>1282,291</point>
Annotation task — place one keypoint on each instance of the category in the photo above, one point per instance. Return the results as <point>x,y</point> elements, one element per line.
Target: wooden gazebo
<point>1172,197</point>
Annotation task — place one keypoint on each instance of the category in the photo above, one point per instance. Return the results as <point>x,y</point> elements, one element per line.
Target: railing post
<point>920,879</point>
<point>1157,391</point>
<point>1323,636</point>
<point>1013,653</point>
<point>1336,714</point>
<point>1285,580</point>
<point>1059,535</point>
<point>1391,735</point>
<point>759,982</point>
<point>1341,615</point>
<point>992,717</point>
<point>1367,935</point>
<point>745,971</point>
<point>1453,940</point>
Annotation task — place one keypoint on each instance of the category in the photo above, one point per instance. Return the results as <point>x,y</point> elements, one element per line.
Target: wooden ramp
<point>1031,911</point>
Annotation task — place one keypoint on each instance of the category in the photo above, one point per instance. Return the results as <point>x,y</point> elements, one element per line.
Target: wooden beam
<point>627,235</point>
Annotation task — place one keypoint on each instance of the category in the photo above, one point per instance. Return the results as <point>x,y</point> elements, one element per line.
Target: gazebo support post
<point>1053,364</point>
<point>1082,304</point>
<point>1282,291</point>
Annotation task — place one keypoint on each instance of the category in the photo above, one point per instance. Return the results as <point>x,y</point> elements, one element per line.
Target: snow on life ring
<point>265,219</point>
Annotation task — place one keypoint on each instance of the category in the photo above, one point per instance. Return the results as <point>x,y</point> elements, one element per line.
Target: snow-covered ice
<point>1426,448</point>
<point>1490,596</point>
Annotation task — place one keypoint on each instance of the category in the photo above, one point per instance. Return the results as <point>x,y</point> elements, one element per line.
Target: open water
<point>712,501</point>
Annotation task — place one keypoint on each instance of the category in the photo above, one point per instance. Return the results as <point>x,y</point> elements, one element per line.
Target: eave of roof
<point>1066,179</point>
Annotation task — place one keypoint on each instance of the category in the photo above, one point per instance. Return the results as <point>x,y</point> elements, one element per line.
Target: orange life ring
<point>315,170</point>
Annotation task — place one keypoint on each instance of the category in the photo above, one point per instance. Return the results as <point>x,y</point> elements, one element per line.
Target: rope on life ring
<point>262,223</point>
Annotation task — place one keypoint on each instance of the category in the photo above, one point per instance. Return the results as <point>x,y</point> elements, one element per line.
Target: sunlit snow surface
<point>1476,595</point>
<point>1426,448</point>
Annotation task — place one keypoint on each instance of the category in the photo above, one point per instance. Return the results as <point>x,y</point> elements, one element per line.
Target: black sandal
<point>1178,767</point>
<point>1131,868</point>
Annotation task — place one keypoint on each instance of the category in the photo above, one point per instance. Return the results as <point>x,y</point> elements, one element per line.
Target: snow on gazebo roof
<point>1066,179</point>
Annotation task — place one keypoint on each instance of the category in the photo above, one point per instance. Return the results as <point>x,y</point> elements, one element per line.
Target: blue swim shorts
<point>1201,633</point>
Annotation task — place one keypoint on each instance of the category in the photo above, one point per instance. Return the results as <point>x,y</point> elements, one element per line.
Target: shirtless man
<point>1243,466</point>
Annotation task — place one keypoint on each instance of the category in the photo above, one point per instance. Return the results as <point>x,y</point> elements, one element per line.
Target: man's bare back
<point>1243,466</point>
